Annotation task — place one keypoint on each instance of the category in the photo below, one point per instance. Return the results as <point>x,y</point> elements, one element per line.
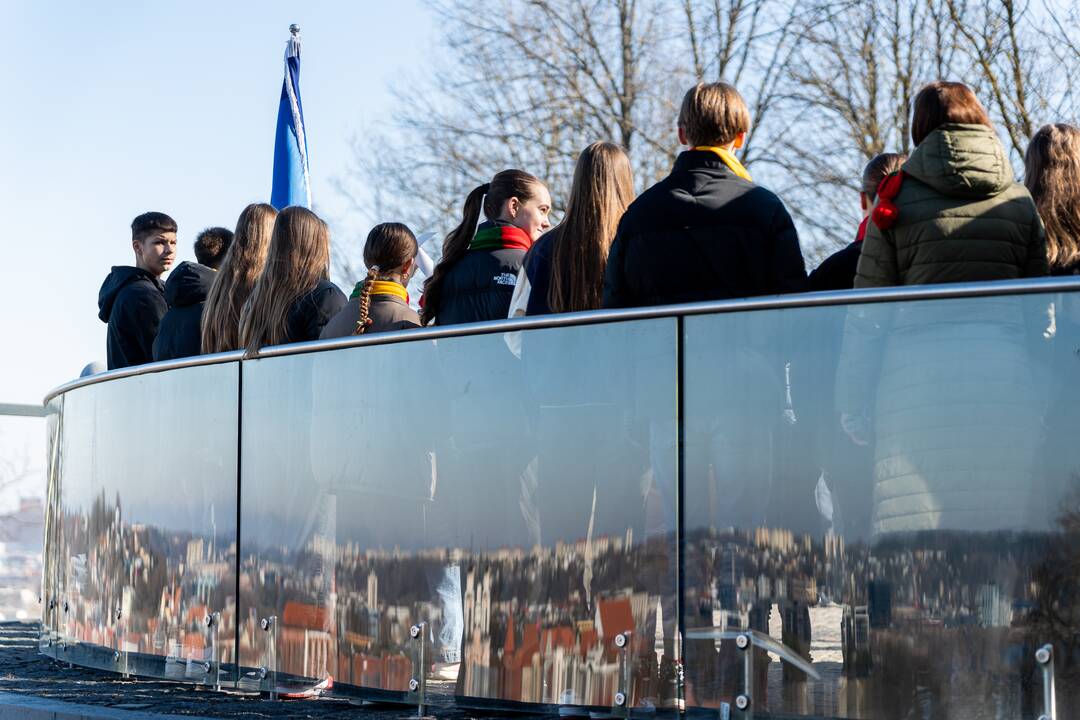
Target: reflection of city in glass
<point>885,499</point>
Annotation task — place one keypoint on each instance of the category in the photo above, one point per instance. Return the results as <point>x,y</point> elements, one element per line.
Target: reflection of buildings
<point>140,589</point>
<point>530,633</point>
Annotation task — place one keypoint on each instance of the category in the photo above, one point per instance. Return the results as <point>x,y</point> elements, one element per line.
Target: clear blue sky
<point>111,109</point>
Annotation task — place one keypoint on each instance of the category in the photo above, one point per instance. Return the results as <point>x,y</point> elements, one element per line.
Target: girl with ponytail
<point>476,275</point>
<point>379,302</point>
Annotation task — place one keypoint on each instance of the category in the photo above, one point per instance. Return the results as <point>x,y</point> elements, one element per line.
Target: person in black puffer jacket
<point>293,299</point>
<point>180,332</point>
<point>706,231</point>
<point>475,278</point>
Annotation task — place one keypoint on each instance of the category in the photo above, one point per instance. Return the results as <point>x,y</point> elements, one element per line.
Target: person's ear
<point>512,207</point>
<point>407,268</point>
<point>682,136</point>
<point>136,245</point>
<point>740,140</point>
<point>864,201</point>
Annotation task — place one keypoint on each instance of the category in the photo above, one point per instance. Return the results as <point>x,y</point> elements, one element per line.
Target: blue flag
<point>292,184</point>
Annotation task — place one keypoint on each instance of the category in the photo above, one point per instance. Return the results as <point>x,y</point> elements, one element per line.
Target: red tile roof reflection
<point>303,615</point>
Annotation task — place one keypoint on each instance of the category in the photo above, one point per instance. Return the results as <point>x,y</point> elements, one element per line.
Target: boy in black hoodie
<point>180,333</point>
<point>706,231</point>
<point>132,299</point>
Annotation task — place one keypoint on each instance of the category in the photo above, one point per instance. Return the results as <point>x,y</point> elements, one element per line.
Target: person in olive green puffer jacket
<point>962,217</point>
<point>945,391</point>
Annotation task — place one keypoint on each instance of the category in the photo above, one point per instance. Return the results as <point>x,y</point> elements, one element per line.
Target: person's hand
<point>856,427</point>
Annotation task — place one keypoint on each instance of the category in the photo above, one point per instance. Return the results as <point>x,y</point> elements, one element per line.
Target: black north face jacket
<point>703,233</point>
<point>132,302</point>
<point>480,286</point>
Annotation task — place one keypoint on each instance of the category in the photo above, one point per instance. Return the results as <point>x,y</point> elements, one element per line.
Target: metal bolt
<point>621,639</point>
<point>620,698</point>
<point>1044,654</point>
<point>52,604</point>
<point>209,620</point>
<point>65,606</point>
<point>414,631</point>
<point>266,623</point>
<point>742,641</point>
<point>262,673</point>
<point>116,656</point>
<point>742,702</point>
<point>119,612</point>
<point>414,684</point>
<point>206,667</point>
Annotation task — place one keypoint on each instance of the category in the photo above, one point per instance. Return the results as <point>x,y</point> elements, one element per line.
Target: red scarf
<point>861,235</point>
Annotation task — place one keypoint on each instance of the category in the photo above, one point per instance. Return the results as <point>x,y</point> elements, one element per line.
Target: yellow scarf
<point>729,159</point>
<point>389,287</point>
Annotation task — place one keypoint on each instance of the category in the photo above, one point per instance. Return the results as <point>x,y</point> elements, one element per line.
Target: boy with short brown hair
<point>706,231</point>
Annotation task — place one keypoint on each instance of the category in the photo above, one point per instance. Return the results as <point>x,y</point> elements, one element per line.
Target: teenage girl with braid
<point>379,302</point>
<point>476,276</point>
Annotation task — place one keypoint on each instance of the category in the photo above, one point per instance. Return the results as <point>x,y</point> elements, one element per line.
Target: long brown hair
<point>945,102</point>
<point>389,246</point>
<point>602,189</point>
<point>1052,175</point>
<point>299,257</point>
<point>489,198</point>
<point>239,270</point>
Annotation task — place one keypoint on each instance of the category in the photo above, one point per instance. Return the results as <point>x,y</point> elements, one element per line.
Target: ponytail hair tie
<point>886,213</point>
<point>485,188</point>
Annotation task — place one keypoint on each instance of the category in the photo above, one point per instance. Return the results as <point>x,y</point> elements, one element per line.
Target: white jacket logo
<point>506,279</point>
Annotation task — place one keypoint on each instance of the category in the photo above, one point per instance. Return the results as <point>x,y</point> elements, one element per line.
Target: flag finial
<point>294,29</point>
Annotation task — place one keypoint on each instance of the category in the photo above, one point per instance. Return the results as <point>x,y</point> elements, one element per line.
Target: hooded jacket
<point>702,233</point>
<point>132,302</point>
<point>180,333</point>
<point>962,217</point>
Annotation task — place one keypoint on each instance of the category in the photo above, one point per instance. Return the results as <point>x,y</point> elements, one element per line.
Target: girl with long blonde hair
<point>564,271</point>
<point>293,299</point>
<point>234,280</point>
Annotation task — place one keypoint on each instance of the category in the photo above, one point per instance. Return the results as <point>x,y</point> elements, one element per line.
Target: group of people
<point>951,211</point>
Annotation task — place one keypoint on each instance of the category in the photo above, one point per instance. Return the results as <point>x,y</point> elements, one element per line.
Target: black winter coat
<point>837,272</point>
<point>309,314</point>
<point>702,233</point>
<point>480,286</point>
<point>132,302</point>
<point>180,332</point>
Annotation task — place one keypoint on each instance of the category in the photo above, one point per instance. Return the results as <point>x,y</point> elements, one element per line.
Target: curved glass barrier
<point>483,519</point>
<point>141,523</point>
<point>888,495</point>
<point>848,511</point>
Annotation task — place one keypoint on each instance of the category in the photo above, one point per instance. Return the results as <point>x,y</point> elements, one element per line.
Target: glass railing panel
<point>886,495</point>
<point>486,516</point>
<point>145,494</point>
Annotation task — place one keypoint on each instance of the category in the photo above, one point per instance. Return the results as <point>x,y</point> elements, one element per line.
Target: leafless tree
<point>529,83</point>
<point>567,73</point>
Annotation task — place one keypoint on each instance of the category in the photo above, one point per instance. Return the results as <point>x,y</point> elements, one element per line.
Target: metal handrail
<point>757,639</point>
<point>592,317</point>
